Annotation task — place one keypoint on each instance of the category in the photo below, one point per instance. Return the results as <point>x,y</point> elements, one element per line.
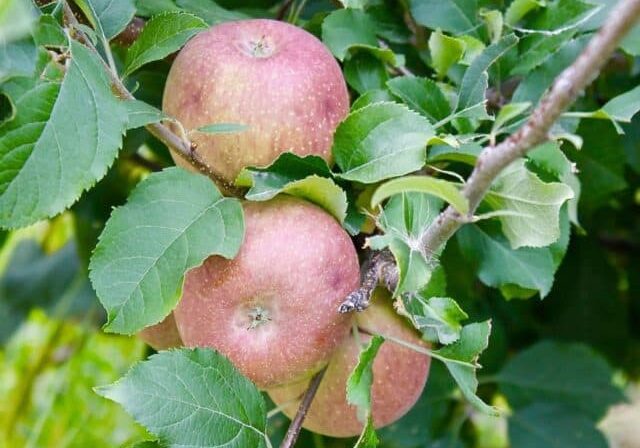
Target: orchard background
<point>494,192</point>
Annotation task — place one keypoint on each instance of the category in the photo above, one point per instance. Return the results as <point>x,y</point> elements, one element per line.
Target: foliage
<point>432,83</point>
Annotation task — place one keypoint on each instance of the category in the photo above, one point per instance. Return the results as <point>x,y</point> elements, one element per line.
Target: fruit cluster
<point>272,310</point>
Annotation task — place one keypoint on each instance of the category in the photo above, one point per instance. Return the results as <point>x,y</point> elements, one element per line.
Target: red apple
<point>399,376</point>
<point>273,77</point>
<point>272,309</point>
<point>163,335</point>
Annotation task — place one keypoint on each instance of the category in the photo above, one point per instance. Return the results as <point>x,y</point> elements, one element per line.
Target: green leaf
<point>49,33</point>
<point>355,4</point>
<point>17,58</point>
<point>365,72</point>
<point>361,379</point>
<point>422,95</point>
<point>439,319</point>
<point>370,97</point>
<point>346,29</point>
<point>507,113</point>
<point>475,79</point>
<point>494,21</point>
<point>379,141</point>
<point>499,265</point>
<point>368,438</point>
<point>537,81</point>
<point>561,15</point>
<point>403,220</point>
<point>55,282</point>
<point>520,8</point>
<point>440,188</point>
<point>192,397</point>
<point>161,36</point>
<point>210,11</point>
<point>445,51</point>
<point>452,16</point>
<point>171,223</point>
<point>16,19</point>
<point>600,163</point>
<point>631,43</point>
<point>461,358</point>
<point>306,177</point>
<point>535,206</point>
<point>569,374</point>
<point>536,50</point>
<point>553,425</point>
<point>621,108</point>
<point>108,17</point>
<point>63,139</point>
<point>223,128</point>
<point>141,114</point>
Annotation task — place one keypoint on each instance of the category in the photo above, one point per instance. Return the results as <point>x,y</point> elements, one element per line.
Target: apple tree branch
<point>493,159</point>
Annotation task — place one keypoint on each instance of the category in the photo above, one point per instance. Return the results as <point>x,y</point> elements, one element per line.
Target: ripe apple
<point>163,335</point>
<point>399,376</point>
<point>272,309</point>
<point>276,79</point>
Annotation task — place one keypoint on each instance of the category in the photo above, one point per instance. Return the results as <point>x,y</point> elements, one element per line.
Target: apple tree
<point>349,223</point>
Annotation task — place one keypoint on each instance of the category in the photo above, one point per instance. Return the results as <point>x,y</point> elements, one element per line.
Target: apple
<point>163,335</point>
<point>272,310</point>
<point>399,376</point>
<point>278,80</point>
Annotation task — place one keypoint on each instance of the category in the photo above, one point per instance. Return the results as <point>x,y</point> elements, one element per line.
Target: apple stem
<point>296,424</point>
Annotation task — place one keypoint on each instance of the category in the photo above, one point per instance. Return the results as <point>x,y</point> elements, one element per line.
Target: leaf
<point>538,80</point>
<point>141,114</point>
<point>569,374</point>
<point>210,11</point>
<point>370,97</point>
<point>621,108</point>
<point>440,188</point>
<point>361,379</point>
<point>17,58</point>
<point>445,51</point>
<point>63,139</point>
<point>305,177</point>
<point>108,17</point>
<point>365,72</point>
<point>440,319</point>
<point>452,16</point>
<point>16,19</point>
<point>49,33</point>
<point>403,220</point>
<point>507,113</point>
<point>345,29</point>
<point>475,80</point>
<point>379,141</point>
<point>175,392</point>
<point>55,282</point>
<point>600,164</point>
<point>553,426</point>
<point>422,95</point>
<point>171,223</point>
<point>520,8</point>
<point>161,36</point>
<point>536,206</point>
<point>223,128</point>
<point>460,357</point>
<point>499,265</point>
<point>536,50</point>
<point>368,438</point>
<point>631,43</point>
<point>355,4</point>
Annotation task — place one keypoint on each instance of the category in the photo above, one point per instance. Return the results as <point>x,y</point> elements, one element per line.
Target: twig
<point>493,159</point>
<point>381,268</point>
<point>296,424</point>
<point>283,9</point>
<point>181,146</point>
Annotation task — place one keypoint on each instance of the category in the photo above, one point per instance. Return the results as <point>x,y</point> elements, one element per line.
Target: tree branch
<point>493,159</point>
<point>296,424</point>
<point>180,145</point>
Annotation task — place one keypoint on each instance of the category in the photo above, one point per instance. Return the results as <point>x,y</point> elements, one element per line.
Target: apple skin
<point>399,376</point>
<point>297,265</point>
<point>163,335</point>
<point>275,78</point>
